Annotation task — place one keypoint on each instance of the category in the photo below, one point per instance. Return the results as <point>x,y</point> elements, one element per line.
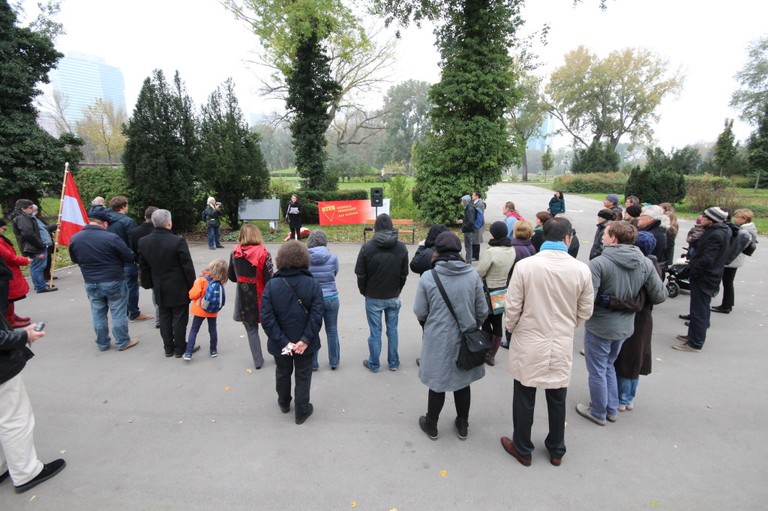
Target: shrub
<point>706,191</point>
<point>402,205</point>
<point>656,186</point>
<point>279,187</point>
<point>104,182</point>
<point>605,182</point>
<point>308,200</point>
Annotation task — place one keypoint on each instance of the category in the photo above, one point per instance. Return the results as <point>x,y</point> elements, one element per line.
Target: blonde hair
<point>250,235</point>
<point>746,214</point>
<point>523,230</point>
<point>218,270</point>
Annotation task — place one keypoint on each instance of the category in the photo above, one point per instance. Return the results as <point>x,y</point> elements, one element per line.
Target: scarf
<point>553,245</point>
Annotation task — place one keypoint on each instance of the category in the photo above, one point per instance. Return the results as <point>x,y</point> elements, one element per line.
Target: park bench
<point>403,226</point>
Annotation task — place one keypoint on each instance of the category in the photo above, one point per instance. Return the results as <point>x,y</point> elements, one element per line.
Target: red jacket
<point>18,286</point>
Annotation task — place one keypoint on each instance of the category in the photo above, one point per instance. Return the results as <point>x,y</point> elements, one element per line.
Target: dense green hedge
<point>607,182</point>
<point>749,182</point>
<point>706,191</point>
<point>308,200</point>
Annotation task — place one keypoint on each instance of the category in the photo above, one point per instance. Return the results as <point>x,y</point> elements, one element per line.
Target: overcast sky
<point>706,40</point>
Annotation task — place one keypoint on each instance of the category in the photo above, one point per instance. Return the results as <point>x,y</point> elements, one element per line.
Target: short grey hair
<point>161,217</point>
<point>654,212</point>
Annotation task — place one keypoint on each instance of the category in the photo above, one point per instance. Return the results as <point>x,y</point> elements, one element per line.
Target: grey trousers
<point>252,331</point>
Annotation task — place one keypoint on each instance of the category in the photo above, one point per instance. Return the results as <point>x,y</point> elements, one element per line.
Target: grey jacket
<point>621,271</point>
<point>442,337</point>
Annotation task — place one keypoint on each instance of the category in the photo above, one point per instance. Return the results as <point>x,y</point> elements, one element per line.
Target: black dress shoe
<point>49,289</point>
<point>722,310</point>
<point>49,470</point>
<point>4,476</point>
<point>684,316</point>
<point>310,409</point>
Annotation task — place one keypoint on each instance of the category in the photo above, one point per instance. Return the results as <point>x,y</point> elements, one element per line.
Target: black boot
<point>428,426</point>
<point>475,252</point>
<point>490,357</point>
<point>462,428</point>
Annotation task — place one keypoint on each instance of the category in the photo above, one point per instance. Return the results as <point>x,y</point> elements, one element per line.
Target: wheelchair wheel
<point>673,288</point>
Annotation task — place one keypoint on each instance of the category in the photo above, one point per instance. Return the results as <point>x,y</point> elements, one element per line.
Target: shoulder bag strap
<point>445,296</point>
<point>296,296</point>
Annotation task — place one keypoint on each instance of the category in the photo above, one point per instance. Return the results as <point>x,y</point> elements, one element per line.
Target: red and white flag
<point>73,215</point>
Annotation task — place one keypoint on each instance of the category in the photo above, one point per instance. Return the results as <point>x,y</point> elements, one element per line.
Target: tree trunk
<point>524,166</point>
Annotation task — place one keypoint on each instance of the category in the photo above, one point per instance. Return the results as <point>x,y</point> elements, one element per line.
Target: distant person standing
<point>30,241</point>
<point>46,233</point>
<point>468,227</point>
<point>166,268</point>
<point>324,266</point>
<point>479,204</point>
<point>611,202</point>
<point>748,232</point>
<point>557,204</point>
<point>212,217</point>
<point>381,269</point>
<point>293,216</point>
<point>136,234</point>
<point>510,217</point>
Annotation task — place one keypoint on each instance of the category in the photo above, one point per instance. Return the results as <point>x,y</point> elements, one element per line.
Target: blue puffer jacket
<point>324,266</point>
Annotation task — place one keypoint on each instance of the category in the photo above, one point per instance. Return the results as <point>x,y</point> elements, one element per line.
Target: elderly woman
<point>495,268</point>
<point>442,333</point>
<point>742,218</point>
<point>292,314</point>
<point>15,288</point>
<point>250,266</point>
<point>324,266</point>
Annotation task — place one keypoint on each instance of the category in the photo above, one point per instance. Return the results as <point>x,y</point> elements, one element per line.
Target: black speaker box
<point>377,197</point>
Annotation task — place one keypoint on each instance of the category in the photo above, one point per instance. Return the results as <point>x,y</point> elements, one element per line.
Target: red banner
<point>348,211</point>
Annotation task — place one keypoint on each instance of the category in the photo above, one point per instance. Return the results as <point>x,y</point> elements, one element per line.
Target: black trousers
<point>729,275</point>
<point>461,398</point>
<point>523,404</point>
<point>173,328</point>
<point>700,313</point>
<point>286,366</point>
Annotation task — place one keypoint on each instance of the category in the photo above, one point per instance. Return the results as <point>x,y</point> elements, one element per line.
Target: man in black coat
<point>381,269</point>
<point>136,234</point>
<point>705,271</point>
<point>166,267</point>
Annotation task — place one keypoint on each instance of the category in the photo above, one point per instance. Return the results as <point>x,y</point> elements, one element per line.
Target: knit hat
<point>383,223</point>
<point>498,230</point>
<point>447,242</point>
<point>612,197</point>
<point>433,233</point>
<point>607,214</point>
<point>317,238</point>
<point>716,214</point>
<point>646,242</point>
<point>634,211</point>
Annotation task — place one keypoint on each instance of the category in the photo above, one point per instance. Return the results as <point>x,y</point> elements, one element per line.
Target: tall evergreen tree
<point>310,92</point>
<point>598,157</point>
<point>232,166</point>
<point>160,156</point>
<point>757,149</point>
<point>726,159</point>
<point>469,143</point>
<point>31,160</point>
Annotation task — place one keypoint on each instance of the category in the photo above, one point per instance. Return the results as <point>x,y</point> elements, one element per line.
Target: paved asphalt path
<point>141,431</point>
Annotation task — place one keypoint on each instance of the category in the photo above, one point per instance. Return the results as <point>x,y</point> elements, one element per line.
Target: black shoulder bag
<point>474,343</point>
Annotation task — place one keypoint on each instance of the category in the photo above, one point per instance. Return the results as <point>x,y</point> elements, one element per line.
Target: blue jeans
<point>131,273</point>
<point>373,309</point>
<point>213,236</point>
<point>36,269</point>
<point>627,390</point>
<point>112,295</point>
<point>197,322</point>
<point>600,355</point>
<point>331,320</point>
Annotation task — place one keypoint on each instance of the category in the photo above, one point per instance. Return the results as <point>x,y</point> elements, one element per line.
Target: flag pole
<point>58,222</point>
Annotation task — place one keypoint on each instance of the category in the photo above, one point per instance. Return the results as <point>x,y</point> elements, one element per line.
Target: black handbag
<point>474,343</point>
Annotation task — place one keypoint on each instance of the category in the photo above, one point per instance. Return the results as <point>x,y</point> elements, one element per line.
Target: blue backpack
<point>214,298</point>
<point>479,218</point>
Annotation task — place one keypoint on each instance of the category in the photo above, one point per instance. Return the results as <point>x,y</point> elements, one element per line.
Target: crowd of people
<point>526,290</point>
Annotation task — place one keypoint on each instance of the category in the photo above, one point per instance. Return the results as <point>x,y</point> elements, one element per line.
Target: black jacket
<point>706,265</point>
<point>468,222</point>
<point>27,232</point>
<point>138,233</point>
<point>597,244</point>
<point>166,267</point>
<point>283,318</point>
<point>382,266</point>
<point>14,352</point>
<point>660,234</point>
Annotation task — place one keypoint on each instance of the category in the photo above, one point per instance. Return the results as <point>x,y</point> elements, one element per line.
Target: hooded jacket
<point>250,266</point>
<point>382,266</point>
<point>422,259</point>
<point>747,233</point>
<point>621,271</point>
<point>324,266</point>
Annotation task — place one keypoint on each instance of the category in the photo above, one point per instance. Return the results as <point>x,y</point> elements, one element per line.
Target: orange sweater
<point>196,295</point>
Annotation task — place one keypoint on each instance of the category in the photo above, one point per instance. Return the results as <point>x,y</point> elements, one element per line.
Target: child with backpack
<point>207,295</point>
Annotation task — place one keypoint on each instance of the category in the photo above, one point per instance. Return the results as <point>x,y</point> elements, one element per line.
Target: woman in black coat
<point>292,314</point>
